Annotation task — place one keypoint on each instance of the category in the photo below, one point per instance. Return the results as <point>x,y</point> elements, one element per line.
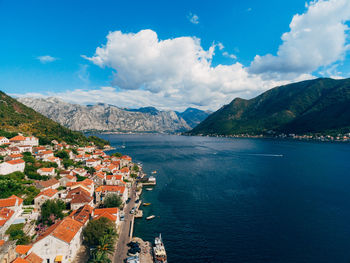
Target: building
<point>82,214</point>
<point>12,166</point>
<point>13,157</point>
<point>48,171</point>
<point>67,178</point>
<point>44,195</point>
<point>10,209</point>
<point>4,140</point>
<point>51,183</point>
<point>60,242</point>
<point>103,190</point>
<point>19,139</point>
<point>110,213</point>
<point>79,197</point>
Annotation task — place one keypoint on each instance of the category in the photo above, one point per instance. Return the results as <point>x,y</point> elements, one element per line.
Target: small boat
<point>146,204</point>
<point>159,250</point>
<point>150,217</point>
<point>149,189</point>
<point>123,146</point>
<point>154,172</point>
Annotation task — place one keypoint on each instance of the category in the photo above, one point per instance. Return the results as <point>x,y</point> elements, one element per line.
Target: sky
<point>168,54</point>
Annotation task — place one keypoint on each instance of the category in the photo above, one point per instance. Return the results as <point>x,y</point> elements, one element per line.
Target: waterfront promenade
<point>126,229</point>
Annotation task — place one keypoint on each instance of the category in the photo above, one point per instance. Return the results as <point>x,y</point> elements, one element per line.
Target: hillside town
<point>54,196</point>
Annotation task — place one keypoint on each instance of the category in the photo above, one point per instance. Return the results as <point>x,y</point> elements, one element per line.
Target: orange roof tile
<point>2,242</point>
<point>18,138</point>
<point>110,188</point>
<point>47,169</point>
<point>20,260</point>
<point>48,183</point>
<point>111,210</point>
<point>111,217</point>
<point>67,229</point>
<point>64,230</point>
<point>5,214</point>
<point>115,176</point>
<point>16,155</point>
<point>11,201</point>
<point>14,162</point>
<point>48,192</point>
<point>34,258</point>
<point>82,214</point>
<point>22,249</point>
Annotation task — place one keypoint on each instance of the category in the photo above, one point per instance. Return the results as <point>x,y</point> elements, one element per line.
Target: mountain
<point>150,110</point>
<point>193,116</point>
<point>104,117</point>
<point>314,106</point>
<point>16,117</point>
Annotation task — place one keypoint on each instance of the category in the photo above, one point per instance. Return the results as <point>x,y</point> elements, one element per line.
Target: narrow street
<point>124,235</point>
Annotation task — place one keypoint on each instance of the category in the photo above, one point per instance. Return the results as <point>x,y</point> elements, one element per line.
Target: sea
<point>244,200</point>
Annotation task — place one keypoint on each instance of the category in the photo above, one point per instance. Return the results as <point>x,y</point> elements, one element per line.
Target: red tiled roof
<point>13,162</point>
<point>22,249</point>
<point>16,155</point>
<point>48,183</point>
<point>11,201</point>
<point>48,192</point>
<point>110,188</point>
<point>20,260</point>
<point>34,258</point>
<point>82,214</point>
<point>5,214</point>
<point>111,210</point>
<point>18,138</point>
<point>64,230</point>
<point>2,242</point>
<point>115,176</point>
<point>111,217</point>
<point>47,170</point>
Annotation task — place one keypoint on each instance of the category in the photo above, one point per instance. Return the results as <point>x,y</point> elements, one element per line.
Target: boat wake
<point>266,154</point>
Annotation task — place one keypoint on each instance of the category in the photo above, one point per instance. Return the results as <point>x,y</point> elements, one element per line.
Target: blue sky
<point>42,44</point>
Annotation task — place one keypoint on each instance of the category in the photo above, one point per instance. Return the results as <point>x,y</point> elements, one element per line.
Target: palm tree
<point>104,249</point>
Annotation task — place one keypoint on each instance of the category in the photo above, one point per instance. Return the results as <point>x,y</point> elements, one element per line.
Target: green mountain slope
<point>313,106</point>
<point>16,117</point>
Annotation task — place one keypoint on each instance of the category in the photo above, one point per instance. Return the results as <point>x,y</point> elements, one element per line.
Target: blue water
<point>245,200</point>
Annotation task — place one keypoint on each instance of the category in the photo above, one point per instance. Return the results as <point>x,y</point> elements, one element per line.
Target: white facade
<point>50,247</point>
<point>11,166</point>
<point>4,140</point>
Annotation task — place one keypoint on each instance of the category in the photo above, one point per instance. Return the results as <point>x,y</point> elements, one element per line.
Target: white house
<point>19,139</point>
<point>10,209</point>
<point>12,166</point>
<point>43,196</point>
<point>103,190</point>
<point>4,140</point>
<point>61,241</point>
<point>50,171</point>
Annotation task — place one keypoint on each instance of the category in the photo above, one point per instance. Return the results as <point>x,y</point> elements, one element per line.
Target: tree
<point>103,250</point>
<point>112,200</point>
<point>96,230</point>
<point>52,210</point>
<point>117,154</point>
<point>135,168</point>
<point>62,154</point>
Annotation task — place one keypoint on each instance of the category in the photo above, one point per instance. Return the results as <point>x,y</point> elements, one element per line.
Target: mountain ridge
<point>293,108</point>
<point>107,117</point>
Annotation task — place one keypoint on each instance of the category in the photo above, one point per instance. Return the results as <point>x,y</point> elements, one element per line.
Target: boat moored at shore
<point>159,250</point>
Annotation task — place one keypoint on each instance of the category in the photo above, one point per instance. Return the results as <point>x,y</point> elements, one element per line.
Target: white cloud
<point>226,54</point>
<point>46,59</point>
<point>193,18</point>
<point>176,72</point>
<point>316,38</point>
